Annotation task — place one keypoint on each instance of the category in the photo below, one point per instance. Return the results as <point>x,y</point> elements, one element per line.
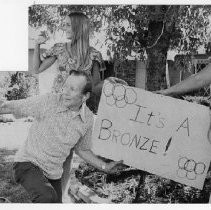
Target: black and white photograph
<point>114,107</point>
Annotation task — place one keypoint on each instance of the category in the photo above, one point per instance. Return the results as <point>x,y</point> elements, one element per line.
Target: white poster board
<point>154,133</point>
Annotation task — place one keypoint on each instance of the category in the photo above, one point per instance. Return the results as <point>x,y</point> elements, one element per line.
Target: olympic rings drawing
<point>189,168</point>
<point>119,95</point>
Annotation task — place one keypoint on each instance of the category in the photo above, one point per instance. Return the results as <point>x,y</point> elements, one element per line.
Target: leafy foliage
<point>18,85</point>
<point>53,16</point>
<point>125,187</point>
<point>127,26</point>
<point>138,31</point>
<point>193,24</point>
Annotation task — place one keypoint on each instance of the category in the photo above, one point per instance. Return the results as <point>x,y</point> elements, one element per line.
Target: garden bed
<point>134,186</point>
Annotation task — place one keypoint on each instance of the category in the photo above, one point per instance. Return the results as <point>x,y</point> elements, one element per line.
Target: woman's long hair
<point>80,39</point>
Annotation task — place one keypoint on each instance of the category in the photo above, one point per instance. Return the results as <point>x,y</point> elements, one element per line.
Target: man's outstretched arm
<point>83,149</point>
<point>92,159</point>
<point>31,106</point>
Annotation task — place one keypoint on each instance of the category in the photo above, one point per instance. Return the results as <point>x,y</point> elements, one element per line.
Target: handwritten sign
<point>154,133</point>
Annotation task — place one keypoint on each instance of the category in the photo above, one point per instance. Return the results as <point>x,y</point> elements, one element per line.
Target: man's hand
<point>113,167</point>
<point>116,80</point>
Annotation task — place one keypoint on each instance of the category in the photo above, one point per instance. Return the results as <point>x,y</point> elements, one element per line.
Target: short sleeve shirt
<point>55,131</point>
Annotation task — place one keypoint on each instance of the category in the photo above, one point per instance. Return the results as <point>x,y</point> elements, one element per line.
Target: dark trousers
<point>40,188</point>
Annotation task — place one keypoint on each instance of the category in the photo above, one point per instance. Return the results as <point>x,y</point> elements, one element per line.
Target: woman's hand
<point>42,38</point>
<point>116,80</point>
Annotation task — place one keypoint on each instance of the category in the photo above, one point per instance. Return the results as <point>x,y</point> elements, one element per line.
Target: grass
<point>8,187</point>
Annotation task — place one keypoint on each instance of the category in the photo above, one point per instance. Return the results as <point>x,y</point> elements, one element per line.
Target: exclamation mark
<point>167,145</point>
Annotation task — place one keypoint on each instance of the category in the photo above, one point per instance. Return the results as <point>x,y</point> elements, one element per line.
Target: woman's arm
<point>38,65</point>
<point>194,82</point>
<point>96,73</point>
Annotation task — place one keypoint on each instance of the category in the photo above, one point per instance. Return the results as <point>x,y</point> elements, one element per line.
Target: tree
<point>156,29</point>
<point>136,30</point>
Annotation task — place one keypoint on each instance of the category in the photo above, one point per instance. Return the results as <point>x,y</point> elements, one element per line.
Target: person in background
<point>62,123</point>
<point>194,82</point>
<point>76,54</point>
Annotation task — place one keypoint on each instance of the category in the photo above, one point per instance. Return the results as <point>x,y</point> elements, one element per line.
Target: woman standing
<point>76,54</point>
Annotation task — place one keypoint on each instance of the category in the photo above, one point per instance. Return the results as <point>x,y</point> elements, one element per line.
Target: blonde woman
<point>76,54</point>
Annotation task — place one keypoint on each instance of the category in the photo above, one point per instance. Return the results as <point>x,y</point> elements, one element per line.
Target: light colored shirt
<point>54,132</point>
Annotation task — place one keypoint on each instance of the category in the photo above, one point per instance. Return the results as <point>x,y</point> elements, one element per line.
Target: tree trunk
<point>157,55</point>
<point>159,35</point>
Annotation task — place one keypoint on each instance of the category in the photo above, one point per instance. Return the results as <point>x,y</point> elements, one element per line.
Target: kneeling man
<point>62,122</point>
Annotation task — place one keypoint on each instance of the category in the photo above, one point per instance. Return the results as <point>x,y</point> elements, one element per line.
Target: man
<point>61,122</point>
